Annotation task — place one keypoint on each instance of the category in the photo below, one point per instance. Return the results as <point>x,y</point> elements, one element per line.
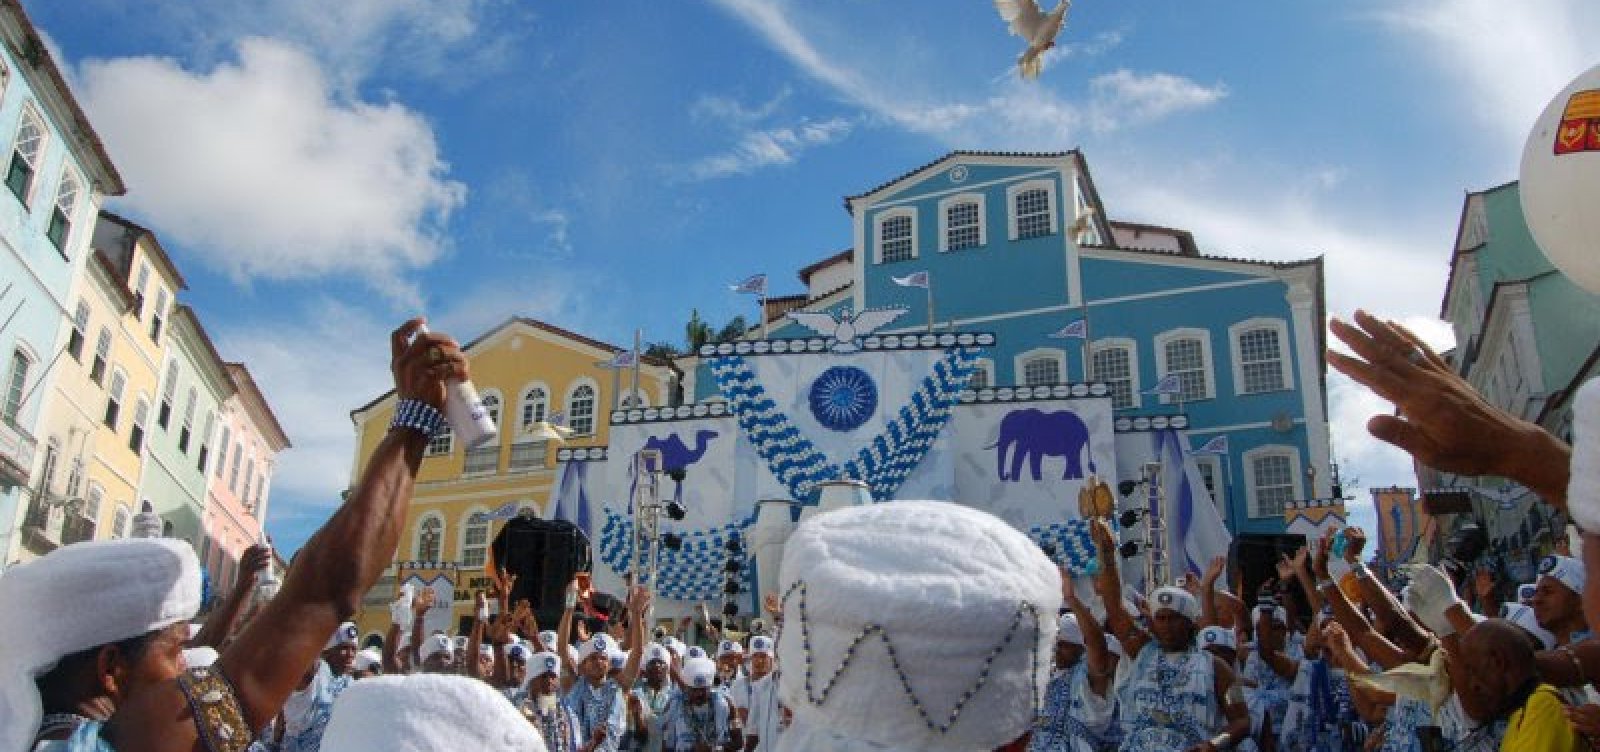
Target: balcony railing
<point>482,461</point>
<point>16,454</point>
<point>530,456</point>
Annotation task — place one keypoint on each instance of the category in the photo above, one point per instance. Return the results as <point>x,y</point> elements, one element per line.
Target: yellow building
<point>525,370</point>
<point>95,426</point>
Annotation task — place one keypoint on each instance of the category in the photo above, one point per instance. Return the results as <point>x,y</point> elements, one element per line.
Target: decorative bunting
<point>693,572</point>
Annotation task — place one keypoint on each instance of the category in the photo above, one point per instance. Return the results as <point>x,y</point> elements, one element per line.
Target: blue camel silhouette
<point>674,454</point>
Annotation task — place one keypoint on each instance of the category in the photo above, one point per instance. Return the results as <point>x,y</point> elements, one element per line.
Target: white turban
<point>600,643</point>
<point>1217,637</point>
<point>1522,616</point>
<point>729,647</point>
<point>79,597</point>
<point>700,673</point>
<point>694,651</point>
<point>548,637</point>
<point>761,644</point>
<point>1177,600</point>
<point>369,660</point>
<point>618,658</point>
<point>543,663</point>
<point>1067,630</point>
<point>968,602</point>
<point>345,635</point>
<point>1565,570</point>
<point>653,653</point>
<point>427,713</point>
<point>433,645</point>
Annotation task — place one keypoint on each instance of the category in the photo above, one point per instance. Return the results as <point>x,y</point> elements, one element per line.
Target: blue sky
<point>322,171</point>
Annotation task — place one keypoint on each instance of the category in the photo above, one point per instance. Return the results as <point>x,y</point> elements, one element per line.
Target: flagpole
<point>1088,361</point>
<point>616,384</point>
<point>929,288</point>
<point>762,302</point>
<point>638,336</point>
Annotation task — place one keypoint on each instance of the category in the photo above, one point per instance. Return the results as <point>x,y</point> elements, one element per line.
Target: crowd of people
<point>902,626</point>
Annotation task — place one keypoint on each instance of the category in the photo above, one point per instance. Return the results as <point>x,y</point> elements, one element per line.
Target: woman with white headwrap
<point>220,708</point>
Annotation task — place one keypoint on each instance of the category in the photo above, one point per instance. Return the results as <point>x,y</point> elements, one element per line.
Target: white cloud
<point>1123,97</point>
<point>770,147</point>
<point>1505,60</point>
<point>258,166</point>
<point>715,109</point>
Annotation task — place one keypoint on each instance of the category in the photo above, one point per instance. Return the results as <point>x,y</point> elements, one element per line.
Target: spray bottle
<point>469,419</point>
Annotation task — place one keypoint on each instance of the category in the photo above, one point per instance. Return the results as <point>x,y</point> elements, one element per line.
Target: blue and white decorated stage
<point>892,411</point>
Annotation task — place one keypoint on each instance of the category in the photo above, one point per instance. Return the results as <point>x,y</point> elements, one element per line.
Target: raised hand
<point>638,601</point>
<point>422,361</point>
<point>498,630</point>
<point>1319,561</point>
<point>423,601</point>
<point>1105,542</point>
<point>1354,541</point>
<point>1285,569</point>
<point>1301,556</point>
<point>1214,571</point>
<point>1483,586</point>
<point>773,606</point>
<point>1069,594</point>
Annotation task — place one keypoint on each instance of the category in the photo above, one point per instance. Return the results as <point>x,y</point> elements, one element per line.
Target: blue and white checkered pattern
<point>1073,543</point>
<point>418,416</point>
<point>691,573</point>
<point>883,464</point>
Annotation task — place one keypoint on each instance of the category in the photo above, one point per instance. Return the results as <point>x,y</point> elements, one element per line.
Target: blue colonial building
<point>1021,245</point>
<point>56,175</point>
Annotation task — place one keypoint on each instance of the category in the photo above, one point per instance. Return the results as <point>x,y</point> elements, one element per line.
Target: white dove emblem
<point>1033,25</point>
<point>845,328</point>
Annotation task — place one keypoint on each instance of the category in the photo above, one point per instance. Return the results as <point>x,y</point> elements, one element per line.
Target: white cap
<point>345,635</point>
<point>518,652</point>
<point>653,653</point>
<point>729,647</point>
<point>544,663</point>
<point>426,713</point>
<point>434,644</point>
<point>699,673</point>
<point>1067,630</point>
<point>1217,637</point>
<point>1176,600</point>
<point>1522,616</point>
<point>761,644</point>
<point>1565,570</point>
<point>618,658</point>
<point>694,651</point>
<point>81,596</point>
<point>600,643</point>
<point>369,659</point>
<point>968,602</point>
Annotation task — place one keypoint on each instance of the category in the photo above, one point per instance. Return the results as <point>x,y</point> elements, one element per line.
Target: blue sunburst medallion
<point>843,397</point>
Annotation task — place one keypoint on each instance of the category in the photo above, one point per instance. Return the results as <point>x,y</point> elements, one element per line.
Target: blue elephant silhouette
<point>1031,435</point>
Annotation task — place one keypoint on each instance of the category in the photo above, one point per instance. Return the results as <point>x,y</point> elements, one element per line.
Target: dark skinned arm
<point>325,584</point>
<point>638,605</point>
<point>1108,583</point>
<point>223,620</point>
<point>1375,645</point>
<point>475,640</point>
<point>569,674</point>
<point>1398,625</point>
<point>1097,659</point>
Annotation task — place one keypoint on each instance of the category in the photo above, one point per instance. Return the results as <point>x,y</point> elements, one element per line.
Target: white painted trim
<point>1234,266</point>
<point>29,108</point>
<point>1207,363</point>
<point>1052,204</point>
<point>1237,427</point>
<point>416,533</point>
<point>1020,361</point>
<point>1296,474</point>
<point>945,205</point>
<point>1285,353</point>
<point>878,221</point>
<point>1219,476</point>
<point>1095,303</point>
<point>461,535</point>
<point>494,392</point>
<point>1132,347</point>
<point>962,188</point>
<point>1302,297</point>
<point>522,400</point>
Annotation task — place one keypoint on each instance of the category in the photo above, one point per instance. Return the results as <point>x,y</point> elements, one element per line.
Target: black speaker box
<point>544,555</point>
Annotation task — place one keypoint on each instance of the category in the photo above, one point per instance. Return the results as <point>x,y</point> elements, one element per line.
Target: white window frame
<point>877,233</point>
<point>1019,364</point>
<point>1134,387</point>
<point>944,220</point>
<point>69,212</point>
<point>1083,208</point>
<point>461,538</point>
<point>102,355</point>
<point>121,521</point>
<point>1285,350</point>
<point>1219,494</point>
<point>17,383</point>
<point>37,159</point>
<point>416,535</point>
<point>80,330</point>
<point>1296,474</point>
<point>1207,365</point>
<point>594,416</point>
<point>141,424</point>
<point>1053,202</point>
<point>986,367</point>
<point>499,411</point>
<point>522,403</point>
<point>442,444</point>
<point>117,392</point>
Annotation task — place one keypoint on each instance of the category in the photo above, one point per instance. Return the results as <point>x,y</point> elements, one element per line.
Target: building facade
<point>237,454</point>
<point>57,175</point>
<point>526,371</point>
<point>1020,245</point>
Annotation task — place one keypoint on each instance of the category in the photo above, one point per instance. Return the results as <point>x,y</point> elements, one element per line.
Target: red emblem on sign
<point>1580,124</point>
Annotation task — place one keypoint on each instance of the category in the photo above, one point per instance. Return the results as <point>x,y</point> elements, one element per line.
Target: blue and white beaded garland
<point>1026,612</point>
<point>692,572</point>
<point>887,459</point>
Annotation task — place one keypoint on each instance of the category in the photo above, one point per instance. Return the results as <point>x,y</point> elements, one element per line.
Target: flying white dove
<point>845,327</point>
<point>1038,28</point>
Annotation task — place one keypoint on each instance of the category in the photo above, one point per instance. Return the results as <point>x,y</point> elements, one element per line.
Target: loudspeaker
<point>1255,558</point>
<point>544,555</point>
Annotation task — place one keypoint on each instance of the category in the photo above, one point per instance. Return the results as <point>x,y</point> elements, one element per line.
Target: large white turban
<point>79,597</point>
<point>968,602</point>
<point>427,713</point>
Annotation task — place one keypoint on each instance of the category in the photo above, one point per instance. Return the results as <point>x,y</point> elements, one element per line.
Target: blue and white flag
<point>504,512</point>
<point>755,285</point>
<point>558,418</point>
<point>1196,533</point>
<point>914,279</point>
<point>1217,445</point>
<point>1169,384</point>
<point>623,359</point>
<point>1076,330</point>
<point>572,496</point>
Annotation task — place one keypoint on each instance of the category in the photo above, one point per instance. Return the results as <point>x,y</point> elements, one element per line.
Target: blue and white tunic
<point>596,707</point>
<point>1074,718</point>
<point>1167,700</point>
<point>306,713</point>
<point>687,725</point>
<point>1400,727</point>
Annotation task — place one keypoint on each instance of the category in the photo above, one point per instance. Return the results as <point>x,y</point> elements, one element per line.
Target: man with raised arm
<point>1171,694</point>
<point>1077,706</point>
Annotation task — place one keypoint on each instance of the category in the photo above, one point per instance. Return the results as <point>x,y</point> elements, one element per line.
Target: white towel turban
<point>433,645</point>
<point>729,647</point>
<point>79,597</point>
<point>543,663</point>
<point>600,643</point>
<point>1067,630</point>
<point>346,634</point>
<point>653,653</point>
<point>694,651</point>
<point>1217,637</point>
<point>761,644</point>
<point>427,713</point>
<point>1565,570</point>
<point>968,602</point>
<point>370,659</point>
<point>1177,600</point>
<point>700,673</point>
